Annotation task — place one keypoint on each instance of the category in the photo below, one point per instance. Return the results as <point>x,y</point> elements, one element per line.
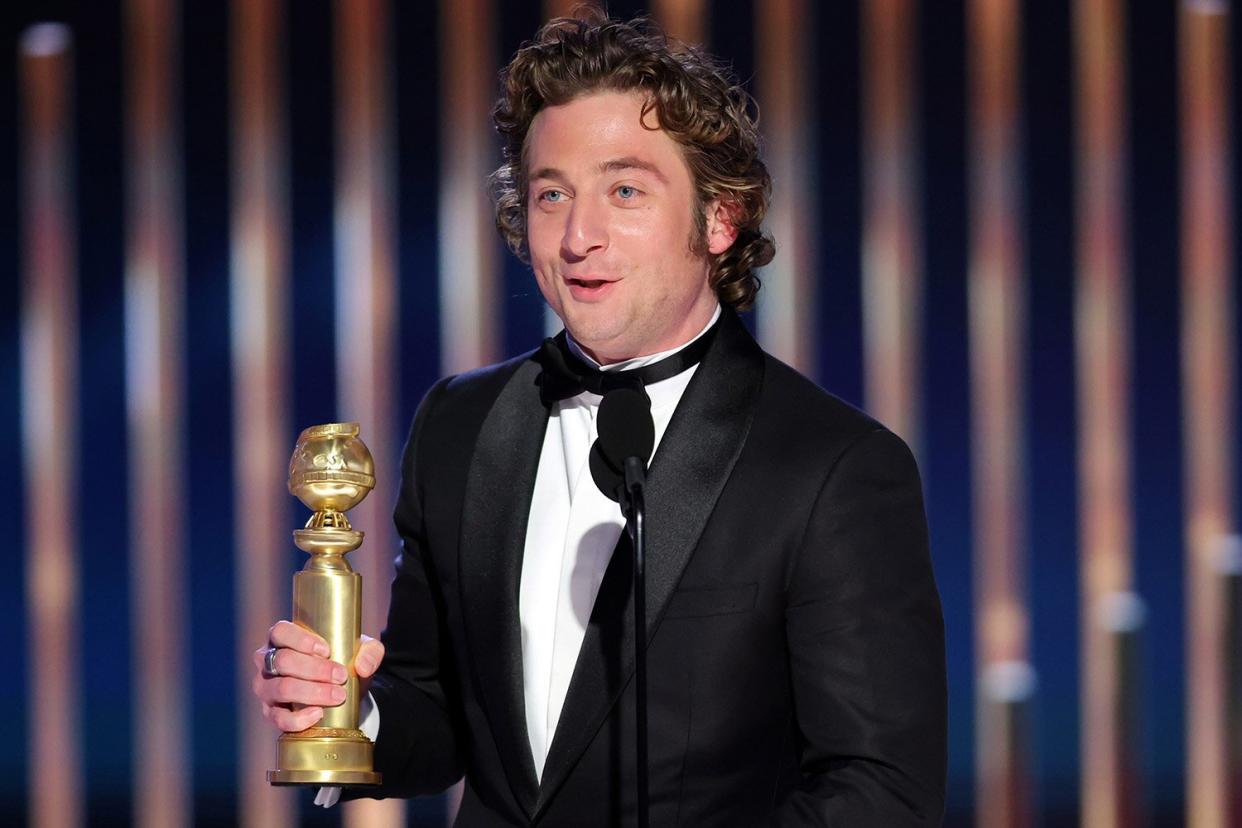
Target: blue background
<point>108,660</point>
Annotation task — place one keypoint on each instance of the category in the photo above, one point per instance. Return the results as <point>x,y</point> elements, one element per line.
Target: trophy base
<point>340,779</point>
<point>324,756</point>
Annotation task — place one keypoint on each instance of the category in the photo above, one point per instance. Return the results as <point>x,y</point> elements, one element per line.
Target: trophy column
<point>331,471</point>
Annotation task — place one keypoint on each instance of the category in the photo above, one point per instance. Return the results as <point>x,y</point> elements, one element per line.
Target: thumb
<point>370,654</point>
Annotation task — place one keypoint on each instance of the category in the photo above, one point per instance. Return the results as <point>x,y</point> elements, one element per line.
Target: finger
<point>292,721</point>
<point>288,634</point>
<point>288,690</point>
<point>370,654</point>
<point>312,668</point>
<point>259,659</point>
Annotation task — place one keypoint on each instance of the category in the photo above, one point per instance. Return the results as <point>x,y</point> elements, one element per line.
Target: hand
<point>305,680</point>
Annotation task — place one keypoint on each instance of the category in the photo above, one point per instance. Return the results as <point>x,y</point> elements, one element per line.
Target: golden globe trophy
<point>331,471</point>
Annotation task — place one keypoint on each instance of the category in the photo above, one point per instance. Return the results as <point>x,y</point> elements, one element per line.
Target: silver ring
<point>269,663</point>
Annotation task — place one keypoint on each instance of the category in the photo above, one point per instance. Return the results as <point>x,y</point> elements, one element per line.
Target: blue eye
<point>552,196</point>
<point>626,191</point>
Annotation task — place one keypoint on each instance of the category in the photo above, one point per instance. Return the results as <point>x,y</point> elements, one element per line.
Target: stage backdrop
<point>1006,228</point>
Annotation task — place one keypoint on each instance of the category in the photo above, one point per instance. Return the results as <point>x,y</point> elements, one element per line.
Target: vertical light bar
<point>154,310</point>
<point>1208,370</point>
<point>49,354</point>
<point>469,311</point>
<point>263,438</point>
<point>682,19</point>
<point>892,266</point>
<point>996,317</point>
<point>1111,613</point>
<point>470,323</point>
<point>366,302</point>
<point>787,301</point>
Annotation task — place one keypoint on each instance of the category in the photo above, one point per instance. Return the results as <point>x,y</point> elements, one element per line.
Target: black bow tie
<point>565,375</point>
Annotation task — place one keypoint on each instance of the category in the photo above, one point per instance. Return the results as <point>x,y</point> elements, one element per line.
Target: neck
<point>647,355</point>
<point>691,332</point>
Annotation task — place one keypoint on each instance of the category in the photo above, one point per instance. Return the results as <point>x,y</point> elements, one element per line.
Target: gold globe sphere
<point>331,468</point>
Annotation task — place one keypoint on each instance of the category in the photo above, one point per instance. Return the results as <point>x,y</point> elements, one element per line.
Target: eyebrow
<point>629,162</point>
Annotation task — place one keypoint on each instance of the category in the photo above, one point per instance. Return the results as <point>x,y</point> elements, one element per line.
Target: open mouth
<point>588,283</point>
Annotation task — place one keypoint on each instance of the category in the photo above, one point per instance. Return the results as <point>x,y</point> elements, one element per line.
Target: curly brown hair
<point>697,102</point>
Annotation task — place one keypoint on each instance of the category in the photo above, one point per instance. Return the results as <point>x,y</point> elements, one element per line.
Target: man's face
<point>610,225</point>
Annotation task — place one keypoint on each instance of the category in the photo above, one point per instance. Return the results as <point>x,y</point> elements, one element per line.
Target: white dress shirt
<point>570,535</point>
<point>571,531</point>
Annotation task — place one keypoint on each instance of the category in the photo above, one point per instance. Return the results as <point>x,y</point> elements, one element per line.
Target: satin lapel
<point>691,466</point>
<point>499,486</point>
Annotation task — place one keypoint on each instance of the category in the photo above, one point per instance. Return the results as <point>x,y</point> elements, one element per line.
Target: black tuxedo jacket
<point>796,649</point>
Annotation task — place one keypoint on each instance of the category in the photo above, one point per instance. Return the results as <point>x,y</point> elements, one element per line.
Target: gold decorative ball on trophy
<point>331,471</point>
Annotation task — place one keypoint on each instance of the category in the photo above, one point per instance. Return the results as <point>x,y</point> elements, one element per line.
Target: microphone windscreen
<point>625,427</point>
<point>608,479</point>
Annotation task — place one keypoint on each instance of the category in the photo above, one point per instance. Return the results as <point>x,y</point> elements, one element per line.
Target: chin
<point>591,339</point>
<point>604,343</point>
<point>593,329</point>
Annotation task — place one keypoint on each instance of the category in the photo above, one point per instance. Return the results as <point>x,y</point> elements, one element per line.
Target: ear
<point>721,231</point>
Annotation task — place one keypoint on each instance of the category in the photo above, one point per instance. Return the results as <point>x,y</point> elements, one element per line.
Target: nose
<point>586,230</point>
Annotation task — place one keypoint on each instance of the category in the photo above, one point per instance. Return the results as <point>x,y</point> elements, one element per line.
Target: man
<point>796,653</point>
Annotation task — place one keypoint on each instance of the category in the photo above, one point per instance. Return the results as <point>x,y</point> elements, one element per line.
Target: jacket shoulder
<point>453,409</point>
<point>469,395</point>
<point>799,425</point>
<point>811,411</point>
<point>481,385</point>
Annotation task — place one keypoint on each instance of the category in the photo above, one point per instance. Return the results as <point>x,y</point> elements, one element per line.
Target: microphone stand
<point>635,509</point>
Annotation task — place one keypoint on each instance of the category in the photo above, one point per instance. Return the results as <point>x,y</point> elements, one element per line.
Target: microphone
<point>619,467</point>
<point>626,434</point>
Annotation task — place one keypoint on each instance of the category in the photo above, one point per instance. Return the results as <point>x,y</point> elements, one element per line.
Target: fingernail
<point>338,694</point>
<point>321,649</point>
<point>338,674</point>
<point>365,665</point>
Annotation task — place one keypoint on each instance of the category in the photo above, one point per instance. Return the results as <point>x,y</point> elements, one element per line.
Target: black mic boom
<point>619,466</point>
